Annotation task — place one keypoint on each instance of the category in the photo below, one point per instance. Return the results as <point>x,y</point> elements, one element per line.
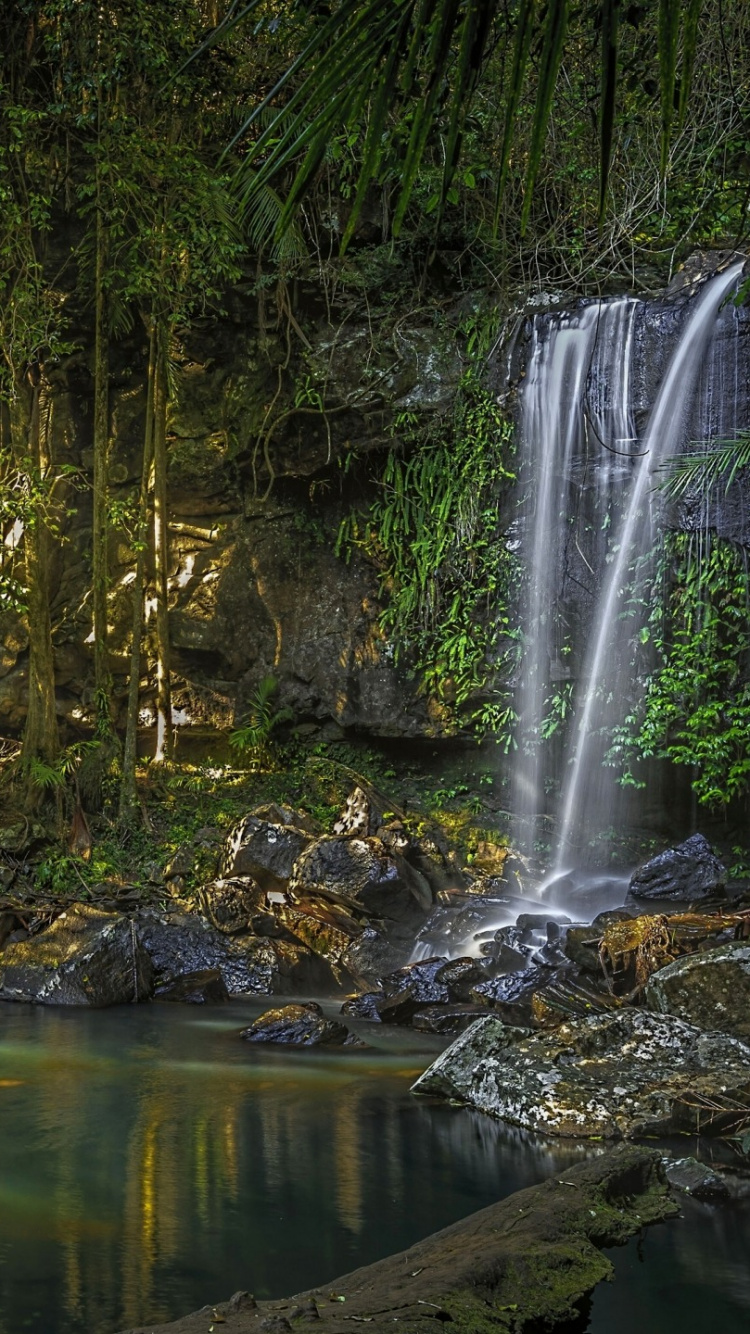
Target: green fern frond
<point>703,470</point>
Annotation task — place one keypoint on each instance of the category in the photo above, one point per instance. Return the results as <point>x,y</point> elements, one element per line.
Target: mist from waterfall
<point>589,522</point>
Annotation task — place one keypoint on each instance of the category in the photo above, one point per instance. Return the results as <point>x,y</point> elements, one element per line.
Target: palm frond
<point>702,470</point>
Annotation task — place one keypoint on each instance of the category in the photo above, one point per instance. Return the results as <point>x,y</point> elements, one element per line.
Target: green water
<point>151,1161</point>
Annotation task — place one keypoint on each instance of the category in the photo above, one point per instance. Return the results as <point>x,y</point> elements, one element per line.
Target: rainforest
<point>375,665</point>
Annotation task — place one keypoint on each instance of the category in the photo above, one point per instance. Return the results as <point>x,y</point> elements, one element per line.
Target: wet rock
<point>511,994</point>
<point>421,979</point>
<point>206,987</point>
<point>710,989</point>
<point>399,1008</point>
<point>374,953</point>
<point>364,1006</point>
<point>570,997</point>
<point>297,1026</point>
<point>696,1179</point>
<point>581,946</point>
<point>326,928</point>
<point>180,943</point>
<point>277,814</point>
<point>631,951</point>
<point>85,957</point>
<point>231,903</point>
<point>263,849</point>
<point>628,1073</point>
<point>447,1020</point>
<point>362,875</point>
<point>460,975</point>
<point>687,872</point>
<point>364,813</point>
<point>457,920</point>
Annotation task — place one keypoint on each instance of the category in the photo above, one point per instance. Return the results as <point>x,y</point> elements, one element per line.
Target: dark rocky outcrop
<point>617,1075</point>
<point>526,1263</point>
<point>181,943</point>
<point>297,1026</point>
<point>710,989</point>
<point>230,904</point>
<point>264,849</point>
<point>364,877</point>
<point>686,873</point>
<point>84,957</point>
<point>206,987</point>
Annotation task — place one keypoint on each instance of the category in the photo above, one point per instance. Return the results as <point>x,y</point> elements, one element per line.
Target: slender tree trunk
<point>102,673</point>
<point>128,789</point>
<point>164,731</point>
<point>41,737</point>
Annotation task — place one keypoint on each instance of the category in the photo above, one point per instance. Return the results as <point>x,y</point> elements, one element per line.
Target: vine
<point>446,571</point>
<point>695,709</point>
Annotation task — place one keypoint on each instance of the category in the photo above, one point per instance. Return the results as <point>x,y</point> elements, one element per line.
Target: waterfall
<point>588,525</point>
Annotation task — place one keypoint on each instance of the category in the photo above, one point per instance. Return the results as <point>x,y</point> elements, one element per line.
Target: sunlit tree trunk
<point>164,732</point>
<point>128,789</point>
<point>102,673</point>
<point>31,427</point>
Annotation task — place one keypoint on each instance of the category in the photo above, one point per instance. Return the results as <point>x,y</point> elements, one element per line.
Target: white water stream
<point>590,520</point>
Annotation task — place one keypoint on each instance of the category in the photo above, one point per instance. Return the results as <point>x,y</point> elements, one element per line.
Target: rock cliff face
<point>259,480</point>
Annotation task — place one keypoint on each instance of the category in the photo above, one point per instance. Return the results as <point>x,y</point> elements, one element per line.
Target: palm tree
<point>401,64</point>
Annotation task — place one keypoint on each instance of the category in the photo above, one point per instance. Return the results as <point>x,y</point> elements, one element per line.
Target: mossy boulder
<point>612,1076</point>
<point>710,989</point>
<point>84,957</point>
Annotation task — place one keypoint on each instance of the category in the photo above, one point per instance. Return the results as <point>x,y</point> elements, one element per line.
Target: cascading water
<point>591,526</point>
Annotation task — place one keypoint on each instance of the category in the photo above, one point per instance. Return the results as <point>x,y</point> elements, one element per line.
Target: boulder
<point>206,987</point>
<point>180,943</point>
<point>511,995</point>
<point>364,1006</point>
<point>230,904</point>
<point>461,975</point>
<point>421,979</point>
<point>84,957</point>
<point>377,952</point>
<point>685,873</point>
<point>696,1179</point>
<point>297,1026</point>
<point>264,849</point>
<point>446,1020</point>
<point>710,989</point>
<point>361,875</point>
<point>616,1075</point>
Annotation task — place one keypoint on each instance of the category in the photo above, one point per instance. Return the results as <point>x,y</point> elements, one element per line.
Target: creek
<point>151,1162</point>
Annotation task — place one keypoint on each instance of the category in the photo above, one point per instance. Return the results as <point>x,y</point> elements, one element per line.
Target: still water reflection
<point>150,1162</point>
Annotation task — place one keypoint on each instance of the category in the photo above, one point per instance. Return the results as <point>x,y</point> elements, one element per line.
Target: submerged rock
<point>297,1026</point>
<point>687,872</point>
<point>710,989</point>
<point>618,1075</point>
<point>84,957</point>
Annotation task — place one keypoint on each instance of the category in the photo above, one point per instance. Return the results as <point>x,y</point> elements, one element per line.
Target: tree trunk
<point>102,673</point>
<point>41,738</point>
<point>128,789</point>
<point>164,733</point>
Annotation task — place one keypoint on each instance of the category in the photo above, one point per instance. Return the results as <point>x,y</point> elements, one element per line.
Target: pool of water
<point>151,1161</point>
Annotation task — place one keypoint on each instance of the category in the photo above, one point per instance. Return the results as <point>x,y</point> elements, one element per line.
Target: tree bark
<point>102,673</point>
<point>41,739</point>
<point>164,731</point>
<point>128,788</point>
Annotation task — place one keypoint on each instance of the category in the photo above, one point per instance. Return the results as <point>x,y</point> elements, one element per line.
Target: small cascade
<point>588,524</point>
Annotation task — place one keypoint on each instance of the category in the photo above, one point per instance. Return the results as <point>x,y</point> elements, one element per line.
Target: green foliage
<point>696,703</point>
<point>436,535</point>
<point>253,742</point>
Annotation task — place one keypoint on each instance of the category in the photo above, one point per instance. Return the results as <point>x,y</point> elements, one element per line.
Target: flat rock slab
<point>613,1075</point>
<point>527,1262</point>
